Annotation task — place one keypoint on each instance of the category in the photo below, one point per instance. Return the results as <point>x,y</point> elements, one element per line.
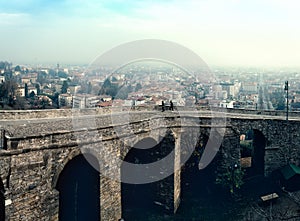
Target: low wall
<point>63,113</point>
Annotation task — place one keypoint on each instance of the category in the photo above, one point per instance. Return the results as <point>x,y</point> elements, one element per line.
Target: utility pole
<point>286,88</point>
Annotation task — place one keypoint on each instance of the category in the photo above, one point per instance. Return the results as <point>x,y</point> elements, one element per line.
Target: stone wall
<point>65,113</point>
<point>282,140</point>
<point>36,154</point>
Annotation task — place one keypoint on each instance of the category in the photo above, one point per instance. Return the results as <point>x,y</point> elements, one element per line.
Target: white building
<point>250,87</point>
<point>105,98</point>
<point>20,92</point>
<point>140,101</point>
<point>227,104</point>
<point>85,101</point>
<point>65,100</point>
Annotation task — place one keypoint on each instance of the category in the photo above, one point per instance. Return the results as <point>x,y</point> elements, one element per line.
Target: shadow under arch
<point>197,184</point>
<point>79,189</point>
<point>154,199</point>
<point>191,174</point>
<point>2,201</point>
<point>62,165</point>
<point>252,147</point>
<point>201,197</point>
<point>259,146</point>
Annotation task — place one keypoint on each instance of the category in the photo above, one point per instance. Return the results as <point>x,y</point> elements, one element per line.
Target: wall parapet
<point>64,113</point>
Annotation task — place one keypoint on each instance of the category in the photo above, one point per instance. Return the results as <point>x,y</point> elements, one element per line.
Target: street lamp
<point>286,88</point>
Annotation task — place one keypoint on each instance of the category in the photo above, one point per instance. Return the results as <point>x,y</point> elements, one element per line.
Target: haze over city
<point>230,33</point>
<point>148,110</point>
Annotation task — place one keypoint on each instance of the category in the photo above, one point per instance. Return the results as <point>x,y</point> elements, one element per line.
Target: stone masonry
<point>35,146</point>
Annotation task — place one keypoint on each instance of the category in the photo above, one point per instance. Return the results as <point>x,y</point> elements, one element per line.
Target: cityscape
<point>149,110</point>
<point>145,83</point>
<point>154,85</point>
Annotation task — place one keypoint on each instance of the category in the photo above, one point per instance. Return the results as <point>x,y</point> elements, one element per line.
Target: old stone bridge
<point>40,152</point>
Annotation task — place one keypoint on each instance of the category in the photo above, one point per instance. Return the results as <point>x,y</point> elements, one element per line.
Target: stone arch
<point>260,126</point>
<point>158,196</point>
<point>198,183</point>
<point>156,135</point>
<point>192,175</point>
<point>2,201</point>
<point>79,189</point>
<point>256,141</point>
<point>192,164</point>
<point>62,165</point>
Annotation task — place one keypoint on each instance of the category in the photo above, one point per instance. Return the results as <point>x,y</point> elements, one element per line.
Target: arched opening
<point>2,202</point>
<point>192,177</point>
<point>256,184</point>
<point>199,192</point>
<point>258,159</point>
<point>153,199</point>
<point>252,145</point>
<point>79,190</point>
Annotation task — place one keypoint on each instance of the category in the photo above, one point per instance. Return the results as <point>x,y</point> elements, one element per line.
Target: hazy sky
<point>222,32</point>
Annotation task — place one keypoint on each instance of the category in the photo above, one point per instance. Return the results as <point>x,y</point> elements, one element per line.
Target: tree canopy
<point>64,87</point>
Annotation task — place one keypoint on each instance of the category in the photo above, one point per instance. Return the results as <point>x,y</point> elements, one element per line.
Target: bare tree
<point>275,212</point>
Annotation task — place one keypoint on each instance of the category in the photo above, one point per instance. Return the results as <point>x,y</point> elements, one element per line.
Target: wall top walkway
<point>34,122</point>
<point>65,113</point>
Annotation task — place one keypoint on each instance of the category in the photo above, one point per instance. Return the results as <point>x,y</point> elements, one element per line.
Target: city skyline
<point>231,33</point>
